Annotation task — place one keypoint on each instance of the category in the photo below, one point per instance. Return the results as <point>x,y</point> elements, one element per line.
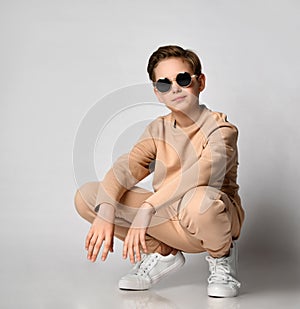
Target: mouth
<point>178,99</point>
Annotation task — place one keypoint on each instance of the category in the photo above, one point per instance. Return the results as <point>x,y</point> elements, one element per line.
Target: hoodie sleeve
<point>127,170</point>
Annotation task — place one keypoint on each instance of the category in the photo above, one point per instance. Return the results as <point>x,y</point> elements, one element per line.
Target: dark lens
<point>183,79</point>
<point>163,85</point>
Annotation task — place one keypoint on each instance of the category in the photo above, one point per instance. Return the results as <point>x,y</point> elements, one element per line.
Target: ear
<point>158,95</point>
<point>202,81</point>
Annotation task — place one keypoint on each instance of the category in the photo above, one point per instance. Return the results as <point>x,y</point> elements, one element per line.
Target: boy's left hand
<point>136,234</point>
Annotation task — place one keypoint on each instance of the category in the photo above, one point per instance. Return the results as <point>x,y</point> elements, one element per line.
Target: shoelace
<point>220,271</point>
<point>146,264</point>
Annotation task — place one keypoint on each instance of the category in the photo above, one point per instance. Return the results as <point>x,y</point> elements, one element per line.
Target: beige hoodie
<point>203,154</point>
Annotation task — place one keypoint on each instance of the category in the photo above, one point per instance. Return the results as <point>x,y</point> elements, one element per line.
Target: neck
<point>187,118</point>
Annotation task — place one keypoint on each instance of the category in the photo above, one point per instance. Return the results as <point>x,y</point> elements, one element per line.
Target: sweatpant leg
<point>210,216</point>
<point>85,203</point>
<point>206,220</point>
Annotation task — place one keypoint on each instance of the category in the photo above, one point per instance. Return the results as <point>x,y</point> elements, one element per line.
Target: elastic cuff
<point>154,209</point>
<point>106,211</point>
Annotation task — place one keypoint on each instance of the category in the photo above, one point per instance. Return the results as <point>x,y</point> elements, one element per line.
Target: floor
<point>45,267</point>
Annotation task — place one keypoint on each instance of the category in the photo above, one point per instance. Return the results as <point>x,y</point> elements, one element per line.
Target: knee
<point>79,203</point>
<point>202,203</point>
<point>83,207</point>
<point>204,210</point>
<point>85,197</point>
<point>214,217</point>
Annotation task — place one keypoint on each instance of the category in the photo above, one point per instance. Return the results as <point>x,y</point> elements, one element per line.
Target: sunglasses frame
<point>172,80</point>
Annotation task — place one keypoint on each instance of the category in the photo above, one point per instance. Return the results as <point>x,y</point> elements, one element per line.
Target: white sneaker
<point>222,281</point>
<point>152,268</point>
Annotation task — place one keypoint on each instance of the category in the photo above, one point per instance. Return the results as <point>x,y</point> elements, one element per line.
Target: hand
<point>136,233</point>
<point>102,230</point>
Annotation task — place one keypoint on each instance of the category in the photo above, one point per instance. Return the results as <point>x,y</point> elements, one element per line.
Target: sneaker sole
<point>221,293</point>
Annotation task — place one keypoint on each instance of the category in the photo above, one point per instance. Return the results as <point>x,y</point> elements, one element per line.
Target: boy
<point>195,206</point>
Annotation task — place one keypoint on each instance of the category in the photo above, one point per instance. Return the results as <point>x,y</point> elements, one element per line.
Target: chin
<point>178,106</point>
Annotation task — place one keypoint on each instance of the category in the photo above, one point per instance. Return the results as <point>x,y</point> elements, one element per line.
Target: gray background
<point>59,59</point>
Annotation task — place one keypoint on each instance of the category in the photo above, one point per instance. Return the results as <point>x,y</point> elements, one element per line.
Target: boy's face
<point>178,98</point>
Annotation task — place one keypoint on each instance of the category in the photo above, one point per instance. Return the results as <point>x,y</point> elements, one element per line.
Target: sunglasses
<point>183,79</point>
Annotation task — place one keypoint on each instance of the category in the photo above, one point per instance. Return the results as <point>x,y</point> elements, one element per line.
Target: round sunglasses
<point>183,79</point>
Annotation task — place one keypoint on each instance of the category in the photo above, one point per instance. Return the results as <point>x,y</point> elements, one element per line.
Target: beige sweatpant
<point>204,219</point>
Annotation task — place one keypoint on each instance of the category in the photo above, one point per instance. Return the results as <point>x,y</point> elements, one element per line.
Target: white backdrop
<point>59,58</point>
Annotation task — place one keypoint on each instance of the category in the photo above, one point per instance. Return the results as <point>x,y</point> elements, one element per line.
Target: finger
<point>91,246</point>
<point>88,239</point>
<point>130,248</point>
<point>111,249</point>
<point>96,249</point>
<point>125,248</point>
<point>143,242</point>
<point>131,253</point>
<point>137,247</point>
<point>106,248</point>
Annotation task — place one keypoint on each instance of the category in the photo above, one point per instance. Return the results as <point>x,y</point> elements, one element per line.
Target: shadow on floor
<point>269,260</point>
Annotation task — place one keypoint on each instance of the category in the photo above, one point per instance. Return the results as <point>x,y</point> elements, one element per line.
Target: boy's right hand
<point>102,230</point>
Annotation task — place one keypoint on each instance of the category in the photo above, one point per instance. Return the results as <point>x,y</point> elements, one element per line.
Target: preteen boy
<point>194,206</point>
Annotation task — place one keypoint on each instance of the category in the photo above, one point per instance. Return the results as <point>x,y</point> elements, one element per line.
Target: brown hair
<point>169,51</point>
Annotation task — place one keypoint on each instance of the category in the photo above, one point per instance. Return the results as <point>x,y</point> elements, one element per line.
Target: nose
<point>175,87</point>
